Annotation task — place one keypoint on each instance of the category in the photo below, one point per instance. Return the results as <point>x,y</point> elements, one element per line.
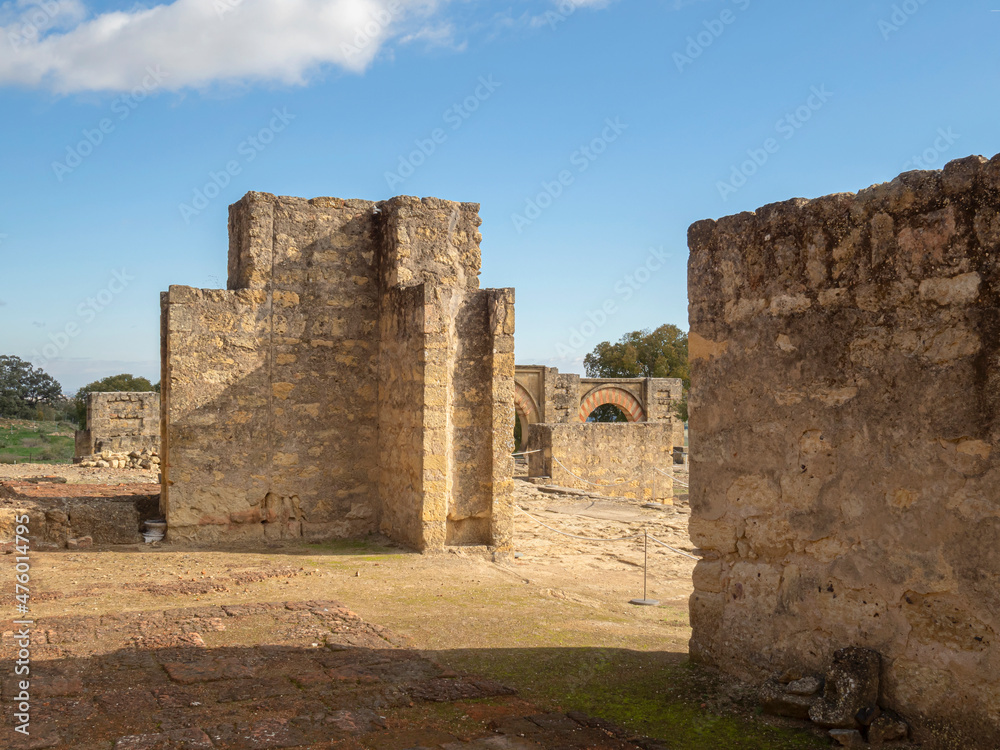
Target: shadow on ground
<point>315,675</point>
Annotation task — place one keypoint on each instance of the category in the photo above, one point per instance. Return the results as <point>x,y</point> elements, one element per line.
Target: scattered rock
<point>867,715</point>
<point>805,686</point>
<point>144,459</point>
<point>848,737</point>
<point>80,543</point>
<point>851,687</point>
<point>887,728</point>
<point>778,702</point>
<point>791,675</point>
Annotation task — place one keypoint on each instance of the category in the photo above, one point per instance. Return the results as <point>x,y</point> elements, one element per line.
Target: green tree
<point>24,388</point>
<point>124,383</point>
<point>660,353</point>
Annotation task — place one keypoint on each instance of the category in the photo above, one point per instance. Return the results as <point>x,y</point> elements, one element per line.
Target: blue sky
<point>592,133</point>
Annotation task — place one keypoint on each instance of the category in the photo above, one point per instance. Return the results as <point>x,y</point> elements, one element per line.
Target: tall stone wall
<point>631,461</point>
<point>119,422</point>
<point>845,433</point>
<point>345,379</point>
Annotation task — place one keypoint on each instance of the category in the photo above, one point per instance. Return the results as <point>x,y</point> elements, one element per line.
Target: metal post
<point>645,566</point>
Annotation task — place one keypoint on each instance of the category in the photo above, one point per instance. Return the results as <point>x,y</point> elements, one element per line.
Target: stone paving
<point>300,674</point>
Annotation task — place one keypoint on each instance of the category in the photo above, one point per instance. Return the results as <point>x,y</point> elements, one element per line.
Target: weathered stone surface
<point>845,422</point>
<point>804,686</point>
<point>122,428</point>
<point>86,514</point>
<point>777,701</point>
<point>632,460</point>
<point>850,693</point>
<point>848,738</point>
<point>353,378</point>
<point>887,728</point>
<point>546,401</point>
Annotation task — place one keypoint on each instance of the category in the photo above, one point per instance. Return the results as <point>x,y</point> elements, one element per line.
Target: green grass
<point>656,693</point>
<point>22,441</point>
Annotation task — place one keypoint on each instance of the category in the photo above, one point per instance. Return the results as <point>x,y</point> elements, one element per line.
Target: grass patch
<point>22,441</point>
<point>654,693</point>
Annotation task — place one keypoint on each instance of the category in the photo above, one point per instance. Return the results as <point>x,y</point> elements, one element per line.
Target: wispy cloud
<point>443,35</point>
<point>202,42</point>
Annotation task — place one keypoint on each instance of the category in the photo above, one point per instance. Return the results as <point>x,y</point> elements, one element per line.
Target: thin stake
<point>645,560</point>
<point>645,567</point>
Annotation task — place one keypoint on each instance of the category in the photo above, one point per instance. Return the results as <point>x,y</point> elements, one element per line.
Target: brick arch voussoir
<point>619,397</point>
<point>524,404</point>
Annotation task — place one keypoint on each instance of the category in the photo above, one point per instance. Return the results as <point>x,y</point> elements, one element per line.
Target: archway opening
<point>620,399</point>
<point>518,431</point>
<point>607,413</point>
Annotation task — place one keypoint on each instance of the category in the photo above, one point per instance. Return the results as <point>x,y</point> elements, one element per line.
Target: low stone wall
<point>627,460</point>
<point>76,515</point>
<point>120,422</point>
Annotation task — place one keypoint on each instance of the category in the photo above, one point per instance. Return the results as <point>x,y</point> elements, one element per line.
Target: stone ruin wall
<point>844,465</point>
<point>72,516</point>
<point>123,431</point>
<point>348,381</point>
<point>631,461</point>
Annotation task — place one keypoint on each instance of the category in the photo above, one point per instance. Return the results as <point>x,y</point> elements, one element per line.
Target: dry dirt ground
<point>75,474</point>
<point>367,645</point>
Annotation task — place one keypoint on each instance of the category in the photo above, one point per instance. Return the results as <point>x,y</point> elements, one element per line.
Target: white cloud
<point>200,42</point>
<point>435,36</point>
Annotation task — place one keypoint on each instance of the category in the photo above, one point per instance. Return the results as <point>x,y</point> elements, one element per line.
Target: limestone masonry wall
<point>845,427</point>
<point>345,381</point>
<point>631,461</point>
<point>638,461</point>
<point>120,424</point>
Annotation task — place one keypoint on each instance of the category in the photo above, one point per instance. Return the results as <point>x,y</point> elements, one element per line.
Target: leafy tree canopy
<point>124,383</point>
<point>661,353</point>
<point>23,388</point>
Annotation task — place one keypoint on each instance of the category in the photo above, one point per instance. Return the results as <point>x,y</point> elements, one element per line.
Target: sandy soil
<point>603,572</point>
<point>579,589</point>
<point>74,474</point>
